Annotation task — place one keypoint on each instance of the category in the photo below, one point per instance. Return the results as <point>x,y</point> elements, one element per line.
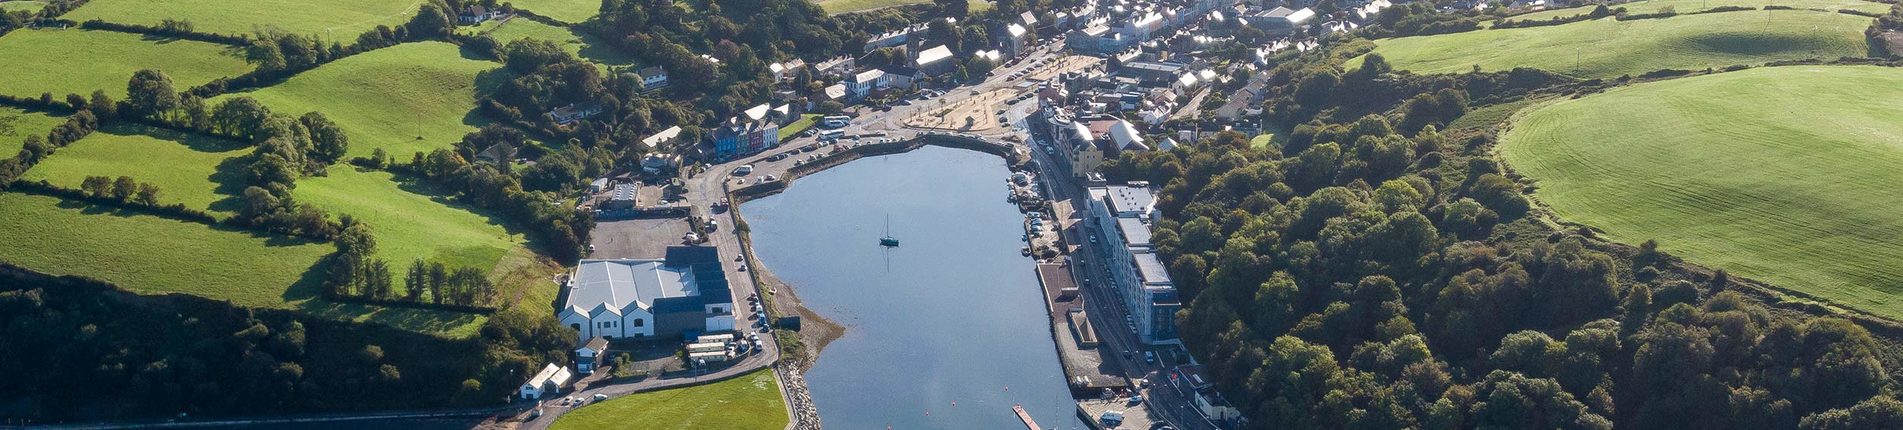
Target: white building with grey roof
<point>685,293</point>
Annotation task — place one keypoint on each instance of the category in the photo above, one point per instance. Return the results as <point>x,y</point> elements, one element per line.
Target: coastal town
<point>950,214</point>
<point>1055,109</point>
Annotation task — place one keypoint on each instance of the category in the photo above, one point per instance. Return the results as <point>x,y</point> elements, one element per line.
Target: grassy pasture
<point>153,255</point>
<point>1607,48</point>
<point>389,97</point>
<point>16,124</point>
<point>335,20</point>
<point>21,5</point>
<point>1687,6</point>
<point>1785,174</point>
<point>848,6</point>
<point>746,402</point>
<point>581,44</point>
<point>410,224</point>
<point>81,61</point>
<point>188,168</point>
<point>569,11</point>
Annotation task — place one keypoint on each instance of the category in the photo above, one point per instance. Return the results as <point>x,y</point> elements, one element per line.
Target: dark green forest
<point>1375,272</point>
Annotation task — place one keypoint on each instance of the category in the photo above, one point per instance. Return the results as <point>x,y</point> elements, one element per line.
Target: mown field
<point>405,99</point>
<point>1686,6</point>
<point>21,5</point>
<point>153,255</point>
<point>580,44</point>
<point>746,402</point>
<point>76,61</point>
<point>16,124</point>
<point>798,126</point>
<point>185,167</point>
<point>409,223</point>
<point>1608,48</point>
<point>569,11</point>
<point>335,20</point>
<point>836,7</point>
<point>1787,175</point>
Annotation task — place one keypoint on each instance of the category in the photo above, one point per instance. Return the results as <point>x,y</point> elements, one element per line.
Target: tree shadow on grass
<point>306,295</point>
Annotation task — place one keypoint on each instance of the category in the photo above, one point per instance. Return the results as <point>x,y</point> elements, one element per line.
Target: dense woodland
<point>1374,272</point>
<point>83,349</point>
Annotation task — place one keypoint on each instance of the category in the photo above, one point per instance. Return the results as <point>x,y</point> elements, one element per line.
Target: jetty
<point>1026,417</point>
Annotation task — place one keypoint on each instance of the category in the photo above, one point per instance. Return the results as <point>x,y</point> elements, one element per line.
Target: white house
<point>864,83</point>
<point>684,293</point>
<point>590,355</point>
<point>653,77</point>
<point>549,381</point>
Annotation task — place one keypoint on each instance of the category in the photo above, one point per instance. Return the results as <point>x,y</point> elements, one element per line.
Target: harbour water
<point>946,331</point>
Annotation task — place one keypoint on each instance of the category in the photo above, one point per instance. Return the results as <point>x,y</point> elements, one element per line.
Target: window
<point>607,324</point>
<point>638,322</point>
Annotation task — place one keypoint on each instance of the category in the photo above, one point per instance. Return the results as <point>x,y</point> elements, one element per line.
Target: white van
<point>743,170</point>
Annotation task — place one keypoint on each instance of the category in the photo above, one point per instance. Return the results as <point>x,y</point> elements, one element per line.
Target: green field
<point>746,402</point>
<point>334,20</point>
<point>1787,175</point>
<point>581,44</point>
<point>409,224</point>
<point>569,11</point>
<point>22,5</point>
<point>16,124</point>
<point>153,255</point>
<point>80,61</point>
<point>1607,48</point>
<point>798,126</point>
<point>407,98</point>
<point>1687,6</point>
<point>186,167</point>
<point>849,6</point>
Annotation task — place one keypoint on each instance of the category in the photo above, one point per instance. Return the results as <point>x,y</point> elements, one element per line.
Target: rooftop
<point>1130,198</point>
<point>1135,232</point>
<point>1151,269</point>
<point>659,138</point>
<point>687,271</point>
<point>933,55</point>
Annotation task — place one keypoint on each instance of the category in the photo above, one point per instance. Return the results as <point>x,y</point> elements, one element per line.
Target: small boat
<point>888,241</point>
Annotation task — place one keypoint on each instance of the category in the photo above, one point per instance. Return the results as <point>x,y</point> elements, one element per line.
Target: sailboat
<point>888,241</point>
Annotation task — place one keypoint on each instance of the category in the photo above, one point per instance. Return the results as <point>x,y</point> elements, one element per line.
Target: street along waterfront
<point>945,331</point>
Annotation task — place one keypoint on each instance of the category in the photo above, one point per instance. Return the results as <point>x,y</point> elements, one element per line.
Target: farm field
<point>405,99</point>
<point>21,5</point>
<point>410,224</point>
<point>1786,175</point>
<point>185,167</point>
<point>334,20</point>
<point>76,61</point>
<point>1608,48</point>
<point>569,11</point>
<point>746,402</point>
<point>16,124</point>
<point>1686,6</point>
<point>154,255</point>
<point>580,44</point>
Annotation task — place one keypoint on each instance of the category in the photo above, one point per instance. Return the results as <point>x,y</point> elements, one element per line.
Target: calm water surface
<point>948,331</point>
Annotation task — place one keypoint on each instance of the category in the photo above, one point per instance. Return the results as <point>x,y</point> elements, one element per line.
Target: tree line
<point>1375,272</point>
<point>207,358</point>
